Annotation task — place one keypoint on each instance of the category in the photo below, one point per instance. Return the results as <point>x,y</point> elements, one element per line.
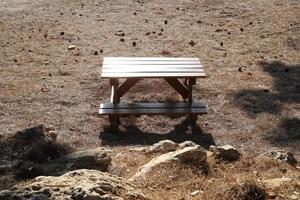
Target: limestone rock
<point>187,144</point>
<point>195,155</point>
<point>276,182</point>
<point>79,184</point>
<point>163,146</point>
<point>98,158</point>
<point>226,152</point>
<point>282,156</point>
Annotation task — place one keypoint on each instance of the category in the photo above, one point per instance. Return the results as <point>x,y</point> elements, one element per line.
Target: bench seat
<point>152,108</point>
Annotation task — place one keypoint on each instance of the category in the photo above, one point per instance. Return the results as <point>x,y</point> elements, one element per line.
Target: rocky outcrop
<point>78,185</point>
<point>281,156</point>
<point>195,155</point>
<point>226,152</point>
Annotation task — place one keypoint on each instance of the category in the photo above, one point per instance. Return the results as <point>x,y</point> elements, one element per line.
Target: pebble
<point>134,44</point>
<point>166,21</point>
<point>122,40</point>
<point>71,47</point>
<point>192,43</point>
<point>195,193</point>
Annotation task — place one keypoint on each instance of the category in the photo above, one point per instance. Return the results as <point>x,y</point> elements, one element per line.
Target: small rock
<point>95,53</point>
<point>166,21</point>
<point>134,44</point>
<point>120,34</point>
<point>240,69</point>
<point>242,29</point>
<point>282,156</point>
<point>62,33</point>
<point>187,144</point>
<point>163,146</point>
<point>192,43</point>
<point>226,152</point>
<point>71,47</point>
<point>122,40</point>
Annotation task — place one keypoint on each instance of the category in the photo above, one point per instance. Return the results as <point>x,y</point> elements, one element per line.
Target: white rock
<point>195,193</point>
<point>187,144</point>
<point>71,47</point>
<point>226,152</point>
<point>163,146</point>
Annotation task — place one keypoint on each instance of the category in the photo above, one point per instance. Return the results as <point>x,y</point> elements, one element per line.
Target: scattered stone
<point>71,47</point>
<point>242,29</point>
<point>79,184</point>
<point>134,13</point>
<point>62,33</point>
<point>187,144</point>
<point>192,43</point>
<point>221,44</point>
<point>166,21</point>
<point>95,53</point>
<point>240,69</point>
<point>148,33</point>
<point>101,51</point>
<point>163,146</point>
<point>282,156</point>
<point>195,155</point>
<point>226,152</point>
<point>120,34</point>
<point>122,40</point>
<point>134,44</point>
<point>276,182</point>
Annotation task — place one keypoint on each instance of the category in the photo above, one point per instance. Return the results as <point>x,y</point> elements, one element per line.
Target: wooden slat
<point>151,105</point>
<point>151,62</point>
<point>178,86</point>
<point>140,109</point>
<point>152,75</point>
<point>152,70</point>
<point>158,68</point>
<point>148,58</point>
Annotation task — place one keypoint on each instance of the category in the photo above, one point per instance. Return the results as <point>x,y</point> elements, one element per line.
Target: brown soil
<point>250,51</point>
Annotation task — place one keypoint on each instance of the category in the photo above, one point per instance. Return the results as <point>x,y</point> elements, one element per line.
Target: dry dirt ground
<point>250,51</point>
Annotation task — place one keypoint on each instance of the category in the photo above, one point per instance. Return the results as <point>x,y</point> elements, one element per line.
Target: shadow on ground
<point>132,135</point>
<point>286,89</point>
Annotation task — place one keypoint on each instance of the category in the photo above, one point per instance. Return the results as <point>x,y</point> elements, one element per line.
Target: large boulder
<point>78,185</point>
<point>226,152</point>
<point>281,156</point>
<point>195,155</point>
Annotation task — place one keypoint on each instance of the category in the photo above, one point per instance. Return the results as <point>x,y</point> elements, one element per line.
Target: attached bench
<point>133,69</point>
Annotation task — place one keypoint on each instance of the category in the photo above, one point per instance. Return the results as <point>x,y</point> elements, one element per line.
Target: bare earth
<point>250,51</point>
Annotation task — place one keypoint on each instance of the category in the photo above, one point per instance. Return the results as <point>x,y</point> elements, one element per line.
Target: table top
<point>151,67</point>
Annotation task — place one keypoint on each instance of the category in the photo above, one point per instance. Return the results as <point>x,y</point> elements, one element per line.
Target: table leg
<point>190,83</point>
<point>114,119</point>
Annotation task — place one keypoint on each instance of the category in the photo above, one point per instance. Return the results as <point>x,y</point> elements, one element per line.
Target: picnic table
<point>133,69</point>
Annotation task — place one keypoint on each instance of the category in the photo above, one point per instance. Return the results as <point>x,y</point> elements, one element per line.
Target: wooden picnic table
<point>133,69</point>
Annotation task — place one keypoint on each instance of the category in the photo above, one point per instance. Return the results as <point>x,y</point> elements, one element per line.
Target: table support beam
<point>126,85</point>
<point>178,86</point>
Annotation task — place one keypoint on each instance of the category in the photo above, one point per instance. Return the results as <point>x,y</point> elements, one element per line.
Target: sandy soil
<point>250,51</point>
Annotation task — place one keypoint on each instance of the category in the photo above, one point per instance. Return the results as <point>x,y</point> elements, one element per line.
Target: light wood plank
<point>151,62</point>
<point>149,58</point>
<point>152,75</point>
<point>155,70</point>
